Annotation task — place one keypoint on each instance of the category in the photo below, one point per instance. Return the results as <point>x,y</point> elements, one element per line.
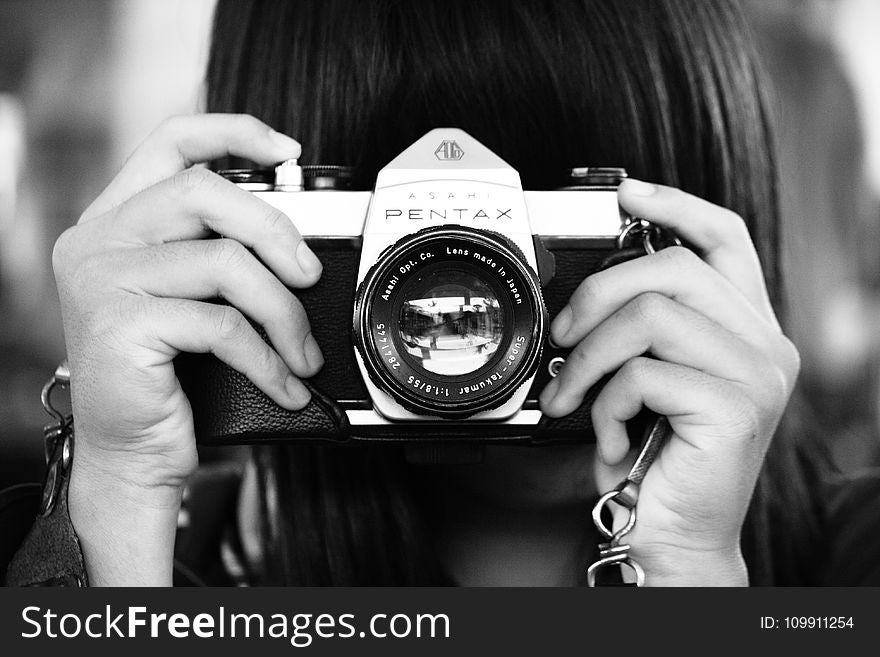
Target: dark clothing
<point>208,548</point>
<point>852,532</point>
<point>46,552</point>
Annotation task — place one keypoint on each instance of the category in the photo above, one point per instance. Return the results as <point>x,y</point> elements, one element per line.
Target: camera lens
<point>450,321</point>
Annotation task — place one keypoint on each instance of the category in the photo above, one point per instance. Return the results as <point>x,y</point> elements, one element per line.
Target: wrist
<point>126,527</point>
<point>678,567</point>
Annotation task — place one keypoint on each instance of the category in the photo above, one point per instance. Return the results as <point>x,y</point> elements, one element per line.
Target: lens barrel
<point>450,321</point>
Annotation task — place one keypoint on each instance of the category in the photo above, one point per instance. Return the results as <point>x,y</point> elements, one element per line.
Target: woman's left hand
<point>692,337</point>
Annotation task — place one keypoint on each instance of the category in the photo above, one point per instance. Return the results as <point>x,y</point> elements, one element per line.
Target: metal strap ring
<point>615,561</point>
<point>655,231</point>
<point>630,227</point>
<point>597,518</point>
<point>61,378</point>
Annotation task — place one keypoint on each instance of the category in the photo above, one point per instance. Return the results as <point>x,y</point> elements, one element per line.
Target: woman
<point>668,90</point>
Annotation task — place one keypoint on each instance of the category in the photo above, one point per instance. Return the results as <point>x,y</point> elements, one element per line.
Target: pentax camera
<point>435,300</point>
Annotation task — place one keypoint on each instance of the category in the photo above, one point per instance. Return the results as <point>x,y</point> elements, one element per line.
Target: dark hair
<point>668,89</point>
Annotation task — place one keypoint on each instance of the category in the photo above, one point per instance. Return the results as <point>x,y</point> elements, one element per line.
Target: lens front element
<point>450,321</point>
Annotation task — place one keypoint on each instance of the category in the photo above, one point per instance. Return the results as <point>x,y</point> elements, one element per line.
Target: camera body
<point>434,306</point>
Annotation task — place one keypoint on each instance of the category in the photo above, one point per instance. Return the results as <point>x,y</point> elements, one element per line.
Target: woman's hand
<point>134,275</point>
<point>692,337</point>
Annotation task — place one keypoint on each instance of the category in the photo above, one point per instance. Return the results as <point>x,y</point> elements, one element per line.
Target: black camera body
<point>434,306</point>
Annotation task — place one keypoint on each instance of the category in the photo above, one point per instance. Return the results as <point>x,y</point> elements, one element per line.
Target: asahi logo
<point>448,150</point>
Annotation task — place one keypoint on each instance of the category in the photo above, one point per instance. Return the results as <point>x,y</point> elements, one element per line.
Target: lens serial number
<point>383,344</point>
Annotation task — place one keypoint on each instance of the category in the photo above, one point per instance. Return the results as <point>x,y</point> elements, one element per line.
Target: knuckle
<point>650,307</point>
<point>248,123</point>
<point>780,380</point>
<point>777,392</point>
<point>277,223</point>
<point>733,223</point>
<point>589,293</point>
<point>791,358</point>
<point>194,180</point>
<point>172,127</point>
<point>87,273</point>
<point>742,414</point>
<point>635,370</point>
<point>730,411</point>
<point>775,376</point>
<point>229,254</point>
<point>266,360</point>
<point>64,250</point>
<point>680,258</point>
<point>117,317</point>
<point>229,324</point>
<point>296,313</point>
<point>745,417</point>
<point>576,360</point>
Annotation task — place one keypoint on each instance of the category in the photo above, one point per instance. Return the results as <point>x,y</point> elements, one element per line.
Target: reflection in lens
<point>451,322</point>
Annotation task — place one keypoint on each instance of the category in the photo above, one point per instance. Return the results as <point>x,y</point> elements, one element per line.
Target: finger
<point>198,203</point>
<point>718,234</point>
<point>223,268</point>
<point>649,324</point>
<point>178,325</point>
<point>182,141</point>
<point>700,407</point>
<point>675,272</point>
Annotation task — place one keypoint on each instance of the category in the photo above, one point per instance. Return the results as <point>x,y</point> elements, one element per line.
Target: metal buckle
<point>56,439</point>
<point>634,225</point>
<point>611,496</point>
<point>626,494</point>
<point>650,233</point>
<point>614,556</point>
<point>60,379</point>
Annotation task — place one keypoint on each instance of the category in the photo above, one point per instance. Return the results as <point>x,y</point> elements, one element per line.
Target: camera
<point>434,305</point>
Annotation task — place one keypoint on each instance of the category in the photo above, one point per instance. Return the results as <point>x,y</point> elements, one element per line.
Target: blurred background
<point>82,82</point>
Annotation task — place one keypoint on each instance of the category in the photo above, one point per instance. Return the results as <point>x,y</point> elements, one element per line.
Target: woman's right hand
<point>134,276</point>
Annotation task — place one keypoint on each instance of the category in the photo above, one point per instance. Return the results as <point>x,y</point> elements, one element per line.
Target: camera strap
<point>613,554</point>
<point>51,554</point>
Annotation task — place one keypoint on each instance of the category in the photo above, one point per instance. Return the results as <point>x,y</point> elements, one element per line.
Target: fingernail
<point>639,188</point>
<point>562,323</point>
<point>289,145</point>
<point>297,392</point>
<point>307,260</point>
<point>312,352</point>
